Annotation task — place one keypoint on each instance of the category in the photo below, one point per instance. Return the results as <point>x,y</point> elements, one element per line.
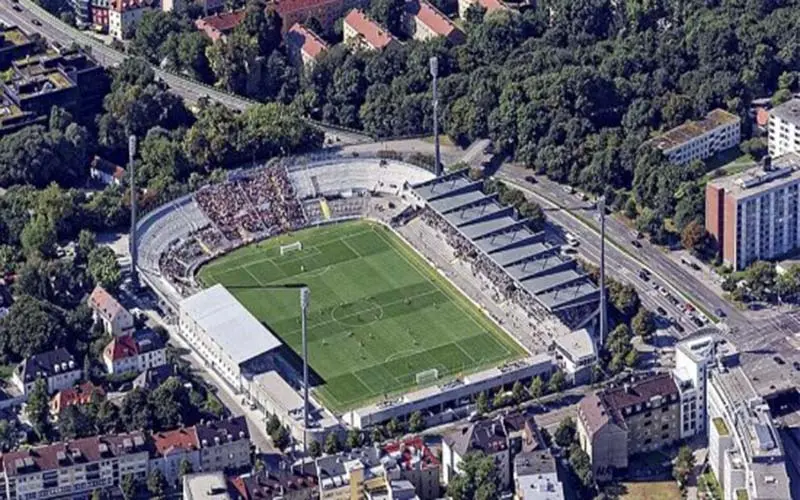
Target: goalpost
<point>428,376</point>
<point>291,247</point>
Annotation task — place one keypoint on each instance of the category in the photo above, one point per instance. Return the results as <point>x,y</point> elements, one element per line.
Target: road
<point>579,216</point>
<point>33,18</point>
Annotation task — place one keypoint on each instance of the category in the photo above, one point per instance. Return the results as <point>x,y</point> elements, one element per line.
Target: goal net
<point>428,376</point>
<point>291,247</point>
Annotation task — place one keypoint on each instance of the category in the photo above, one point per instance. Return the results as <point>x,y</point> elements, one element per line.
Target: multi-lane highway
<point>32,18</point>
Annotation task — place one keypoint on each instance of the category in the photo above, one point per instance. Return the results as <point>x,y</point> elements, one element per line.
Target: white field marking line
<point>369,387</point>
<point>446,293</point>
<point>315,273</point>
<point>397,354</point>
<point>370,309</point>
<point>344,241</point>
<point>253,276</point>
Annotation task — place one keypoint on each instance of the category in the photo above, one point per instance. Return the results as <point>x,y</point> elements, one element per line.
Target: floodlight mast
<point>132,238</point>
<point>304,297</point>
<point>601,204</point>
<point>434,67</point>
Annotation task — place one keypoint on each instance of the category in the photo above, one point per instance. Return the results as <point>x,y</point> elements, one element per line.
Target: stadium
<point>405,272</point>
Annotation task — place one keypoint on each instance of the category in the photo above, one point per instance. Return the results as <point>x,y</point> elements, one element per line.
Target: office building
<point>640,416</point>
<point>744,448</point>
<point>755,215</point>
<point>701,139</point>
<point>116,320</point>
<point>73,469</point>
<point>57,367</point>
<point>783,128</point>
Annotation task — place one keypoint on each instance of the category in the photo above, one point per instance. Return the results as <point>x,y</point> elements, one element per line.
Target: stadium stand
<point>337,178</point>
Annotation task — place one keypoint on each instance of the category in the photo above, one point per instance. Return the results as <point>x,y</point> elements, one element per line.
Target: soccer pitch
<point>379,314</point>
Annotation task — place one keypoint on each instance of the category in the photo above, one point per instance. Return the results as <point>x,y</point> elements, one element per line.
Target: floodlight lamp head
<point>132,142</point>
<point>434,64</point>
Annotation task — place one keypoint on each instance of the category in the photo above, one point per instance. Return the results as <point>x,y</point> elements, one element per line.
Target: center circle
<point>358,313</point>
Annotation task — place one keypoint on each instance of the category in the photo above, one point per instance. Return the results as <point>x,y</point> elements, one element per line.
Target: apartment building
<point>422,21</point>
<point>755,215</point>
<point>99,11</point>
<point>134,353</point>
<point>327,12</point>
<point>14,44</point>
<point>744,448</point>
<point>783,128</point>
<point>116,320</point>
<point>206,486</point>
<point>362,33</point>
<point>224,444</point>
<point>123,15</point>
<point>57,367</point>
<point>304,46</point>
<point>536,477</point>
<point>640,416</point>
<point>283,484</point>
<point>173,448</point>
<point>576,355</point>
<point>73,469</point>
<point>701,139</point>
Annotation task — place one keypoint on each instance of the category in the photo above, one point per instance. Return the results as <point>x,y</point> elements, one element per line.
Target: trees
<point>388,13</point>
<point>39,237</point>
<point>643,323</point>
<point>185,467</point>
<point>415,422</point>
<point>694,237</point>
<point>156,483</point>
<point>314,449</point>
<point>518,391</point>
<point>477,479</point>
<point>127,484</point>
<point>536,388</point>
<point>557,382</point>
<point>581,465</point>
<point>75,422</point>
<point>684,464</point>
<point>331,444</point>
<point>103,268</point>
<point>760,277</point>
<point>37,408</point>
<point>353,439</point>
<point>565,433</point>
<point>31,326</point>
<point>281,438</point>
<point>482,404</point>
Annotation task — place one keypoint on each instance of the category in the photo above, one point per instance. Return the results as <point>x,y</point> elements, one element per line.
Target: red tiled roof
<point>106,166</point>
<point>125,5</point>
<point>431,17</point>
<point>288,7</point>
<point>410,448</point>
<point>220,24</point>
<point>313,45</point>
<point>80,395</point>
<point>179,439</point>
<point>492,5</point>
<point>104,303</point>
<point>373,33</point>
<point>121,348</point>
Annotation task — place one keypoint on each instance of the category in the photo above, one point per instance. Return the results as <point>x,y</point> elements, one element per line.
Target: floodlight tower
<point>132,239</point>
<point>304,296</point>
<point>434,64</point>
<point>601,205</point>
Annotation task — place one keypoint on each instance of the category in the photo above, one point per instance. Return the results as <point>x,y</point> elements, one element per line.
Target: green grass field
<point>379,313</point>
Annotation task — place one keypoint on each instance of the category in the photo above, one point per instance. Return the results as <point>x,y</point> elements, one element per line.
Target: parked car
<point>636,243</point>
<point>531,179</point>
<point>778,360</point>
<point>660,310</point>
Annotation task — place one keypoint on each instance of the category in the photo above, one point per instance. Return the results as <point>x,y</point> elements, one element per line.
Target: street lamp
<point>434,67</point>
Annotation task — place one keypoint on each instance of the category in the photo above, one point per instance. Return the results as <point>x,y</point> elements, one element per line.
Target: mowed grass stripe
<point>378,316</point>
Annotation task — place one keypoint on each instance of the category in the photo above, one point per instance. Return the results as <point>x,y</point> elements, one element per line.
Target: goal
<point>291,247</point>
<point>428,376</point>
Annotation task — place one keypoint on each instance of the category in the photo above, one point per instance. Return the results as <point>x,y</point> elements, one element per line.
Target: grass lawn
<point>379,314</point>
<point>707,485</point>
<point>729,162</point>
<point>661,490</point>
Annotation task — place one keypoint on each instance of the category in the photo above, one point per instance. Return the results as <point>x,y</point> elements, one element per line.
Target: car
<point>673,300</point>
<point>636,243</point>
<point>694,266</point>
<point>568,189</point>
<point>569,250</point>
<point>663,291</point>
<point>644,274</point>
<point>678,327</point>
<point>36,22</point>
<point>697,321</point>
<point>778,360</point>
<point>796,365</point>
<point>719,312</point>
<point>17,8</point>
<point>531,179</point>
<point>660,310</point>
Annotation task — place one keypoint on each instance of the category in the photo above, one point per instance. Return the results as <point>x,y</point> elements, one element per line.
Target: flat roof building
<point>225,334</point>
<point>701,139</point>
<point>755,215</point>
<point>783,128</point>
<point>576,354</point>
<point>205,486</point>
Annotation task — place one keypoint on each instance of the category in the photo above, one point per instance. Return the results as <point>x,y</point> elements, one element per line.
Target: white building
<point>205,486</point>
<point>576,354</point>
<point>487,436</point>
<point>224,445</point>
<point>57,367</point>
<point>134,353</point>
<point>230,339</point>
<point>744,448</point>
<point>783,128</point>
<point>125,14</point>
<point>698,140</point>
<point>106,309</point>
<point>172,449</point>
<point>536,477</point>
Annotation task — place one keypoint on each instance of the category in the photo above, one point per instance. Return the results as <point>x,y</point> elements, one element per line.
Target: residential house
<point>134,353</point>
<point>304,46</point>
<point>106,172</point>
<point>486,436</point>
<point>283,485</point>
<point>80,395</point>
<point>362,33</point>
<point>536,477</point>
<point>57,367</point>
<point>640,416</point>
<point>116,320</point>
<point>224,444</point>
<point>172,448</point>
<point>423,21</point>
<point>73,469</point>
<point>124,15</point>
<point>327,12</point>
<point>488,5</point>
<point>411,460</point>
<point>100,14</point>
<point>151,378</point>
<point>220,25</point>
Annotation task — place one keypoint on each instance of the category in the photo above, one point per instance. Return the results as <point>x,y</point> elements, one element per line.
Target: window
<point>665,427</point>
